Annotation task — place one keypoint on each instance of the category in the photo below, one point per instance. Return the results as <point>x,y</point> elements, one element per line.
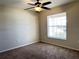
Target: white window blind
<point>56,26</point>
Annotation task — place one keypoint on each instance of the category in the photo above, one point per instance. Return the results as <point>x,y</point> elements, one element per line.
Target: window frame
<point>66,28</point>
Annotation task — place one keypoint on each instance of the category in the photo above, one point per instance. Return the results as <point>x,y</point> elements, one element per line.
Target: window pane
<point>52,21</point>
<point>57,26</point>
<point>55,32</point>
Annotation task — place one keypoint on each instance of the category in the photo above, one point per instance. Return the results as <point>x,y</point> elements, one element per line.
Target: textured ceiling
<point>23,3</point>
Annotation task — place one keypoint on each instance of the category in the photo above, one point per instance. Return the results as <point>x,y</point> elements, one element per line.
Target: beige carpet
<point>40,51</point>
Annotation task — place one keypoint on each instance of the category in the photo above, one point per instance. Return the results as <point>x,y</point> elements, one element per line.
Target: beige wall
<point>17,28</point>
<point>72,11</point>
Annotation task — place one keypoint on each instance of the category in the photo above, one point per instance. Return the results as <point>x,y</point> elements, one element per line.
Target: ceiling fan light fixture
<point>38,9</point>
<point>39,6</point>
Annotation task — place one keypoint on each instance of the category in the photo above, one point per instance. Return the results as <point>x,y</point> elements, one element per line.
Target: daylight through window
<point>56,25</point>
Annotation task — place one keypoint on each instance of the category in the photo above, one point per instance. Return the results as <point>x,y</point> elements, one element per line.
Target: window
<point>56,25</point>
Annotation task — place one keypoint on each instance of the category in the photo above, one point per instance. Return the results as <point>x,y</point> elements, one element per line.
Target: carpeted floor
<point>40,51</point>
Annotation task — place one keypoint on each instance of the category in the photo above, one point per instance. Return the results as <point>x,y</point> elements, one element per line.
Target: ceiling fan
<point>38,6</point>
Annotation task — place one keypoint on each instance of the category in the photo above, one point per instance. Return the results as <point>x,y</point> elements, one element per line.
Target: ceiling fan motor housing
<point>38,4</point>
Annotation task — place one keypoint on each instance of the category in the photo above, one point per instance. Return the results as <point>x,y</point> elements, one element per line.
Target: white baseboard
<point>61,46</point>
<point>17,47</point>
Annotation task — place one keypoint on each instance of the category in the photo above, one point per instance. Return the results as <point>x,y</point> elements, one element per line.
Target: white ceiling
<point>23,3</point>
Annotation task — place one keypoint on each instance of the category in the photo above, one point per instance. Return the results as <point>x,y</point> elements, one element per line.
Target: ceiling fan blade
<point>46,8</point>
<point>31,4</point>
<point>29,8</point>
<point>46,3</point>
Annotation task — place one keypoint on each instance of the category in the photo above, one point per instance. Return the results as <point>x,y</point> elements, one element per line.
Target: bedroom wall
<point>18,28</point>
<point>72,10</point>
